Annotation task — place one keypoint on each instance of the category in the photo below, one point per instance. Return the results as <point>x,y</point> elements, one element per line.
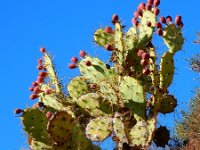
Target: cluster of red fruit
<point>144,61</point>
<point>35,88</point>
<point>74,60</point>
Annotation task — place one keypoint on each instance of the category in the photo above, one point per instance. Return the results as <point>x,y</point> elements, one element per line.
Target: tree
<point>119,100</point>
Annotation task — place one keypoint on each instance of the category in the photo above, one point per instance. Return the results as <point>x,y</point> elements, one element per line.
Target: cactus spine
<point>108,101</point>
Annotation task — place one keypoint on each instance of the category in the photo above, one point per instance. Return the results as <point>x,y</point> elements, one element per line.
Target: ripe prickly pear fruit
<point>93,86</point>
<point>33,96</point>
<point>146,71</point>
<point>42,50</point>
<point>40,80</point>
<point>31,89</point>
<point>108,30</point>
<point>135,22</point>
<point>37,90</point>
<point>181,24</point>
<point>109,47</point>
<point>141,6</point>
<point>74,59</point>
<point>149,24</point>
<point>72,66</point>
<point>18,111</point>
<point>49,114</point>
<point>145,56</point>
<point>48,91</point>
<point>140,52</point>
<point>115,18</point>
<point>158,25</point>
<point>144,62</point>
<point>34,83</point>
<point>150,2</point>
<point>39,67</point>
<point>178,20</point>
<point>156,3</point>
<point>43,74</point>
<point>169,19</point>
<point>136,14</point>
<point>156,11</point>
<point>82,53</point>
<point>162,19</point>
<point>39,61</point>
<point>88,63</point>
<point>159,32</point>
<point>148,6</point>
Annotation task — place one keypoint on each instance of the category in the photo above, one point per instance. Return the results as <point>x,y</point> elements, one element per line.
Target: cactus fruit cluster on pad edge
<point>121,100</point>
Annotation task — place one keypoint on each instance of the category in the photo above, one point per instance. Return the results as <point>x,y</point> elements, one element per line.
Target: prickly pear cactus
<point>108,100</point>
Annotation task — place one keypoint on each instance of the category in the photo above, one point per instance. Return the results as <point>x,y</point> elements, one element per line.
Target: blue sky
<point>65,27</point>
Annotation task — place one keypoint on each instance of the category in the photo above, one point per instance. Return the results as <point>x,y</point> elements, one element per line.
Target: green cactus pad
<point>102,38</point>
<point>119,129</point>
<point>90,102</point>
<point>145,31</point>
<point>77,87</point>
<point>168,104</point>
<point>131,90</point>
<point>138,135</point>
<point>166,70</point>
<point>36,145</point>
<point>60,127</point>
<point>99,129</point>
<point>35,124</point>
<point>108,92</point>
<point>173,38</point>
<point>131,39</point>
<point>51,73</point>
<point>97,72</point>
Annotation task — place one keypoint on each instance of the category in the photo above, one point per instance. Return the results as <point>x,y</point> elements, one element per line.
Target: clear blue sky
<point>64,27</point>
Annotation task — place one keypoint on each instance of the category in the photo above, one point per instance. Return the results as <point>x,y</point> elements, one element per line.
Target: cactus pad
<point>60,127</point>
<point>168,104</point>
<point>166,70</point>
<point>99,129</point>
<point>131,39</point>
<point>35,124</point>
<point>77,87</point>
<point>102,38</point>
<point>97,72</point>
<point>35,145</point>
<point>173,38</point>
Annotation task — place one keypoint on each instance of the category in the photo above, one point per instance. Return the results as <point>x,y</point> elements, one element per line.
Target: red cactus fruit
<point>40,80</point>
<point>18,111</point>
<point>156,11</point>
<point>162,19</point>
<point>37,90</point>
<point>158,25</point>
<point>31,89</point>
<point>39,61</point>
<point>72,66</point>
<point>109,47</point>
<point>49,114</point>
<point>144,62</point>
<point>43,74</point>
<point>74,59</point>
<point>34,83</point>
<point>82,53</point>
<point>181,24</point>
<point>145,56</point>
<point>39,67</point>
<point>140,52</point>
<point>136,14</point>
<point>159,32</point>
<point>115,18</point>
<point>48,91</point>
<point>146,71</point>
<point>156,3</point>
<point>108,30</point>
<point>88,63</point>
<point>141,6</point>
<point>148,6</point>
<point>150,2</point>
<point>149,24</point>
<point>178,20</point>
<point>33,96</point>
<point>93,86</point>
<point>169,19</point>
<point>42,50</point>
<point>135,22</point>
